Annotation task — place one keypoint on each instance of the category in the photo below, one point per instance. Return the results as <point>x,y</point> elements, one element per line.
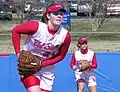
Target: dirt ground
<point>97,46</point>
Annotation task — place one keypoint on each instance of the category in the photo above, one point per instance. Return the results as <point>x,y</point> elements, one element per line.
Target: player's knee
<point>80,85</point>
<point>80,89</point>
<point>43,90</point>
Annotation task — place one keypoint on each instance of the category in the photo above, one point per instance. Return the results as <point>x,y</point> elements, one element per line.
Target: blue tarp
<point>107,74</point>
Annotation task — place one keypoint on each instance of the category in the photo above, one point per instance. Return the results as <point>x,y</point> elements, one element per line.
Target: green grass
<point>6,26</point>
<point>110,25</point>
<point>5,37</point>
<point>98,37</point>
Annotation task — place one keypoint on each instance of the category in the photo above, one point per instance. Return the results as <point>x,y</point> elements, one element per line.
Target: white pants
<point>46,76</point>
<point>87,76</point>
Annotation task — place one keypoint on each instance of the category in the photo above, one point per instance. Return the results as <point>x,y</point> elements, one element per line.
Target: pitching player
<point>48,40</point>
<point>87,76</point>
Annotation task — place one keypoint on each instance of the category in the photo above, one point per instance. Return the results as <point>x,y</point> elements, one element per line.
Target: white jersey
<point>88,76</point>
<point>44,44</point>
<point>88,56</point>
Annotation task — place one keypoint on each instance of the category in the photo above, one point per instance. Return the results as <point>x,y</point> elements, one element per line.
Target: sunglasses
<point>58,13</point>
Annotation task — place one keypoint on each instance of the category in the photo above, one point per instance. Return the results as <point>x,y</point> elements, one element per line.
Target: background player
<point>86,76</point>
<point>48,40</point>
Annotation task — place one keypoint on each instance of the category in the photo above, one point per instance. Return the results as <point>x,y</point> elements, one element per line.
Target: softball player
<point>47,39</point>
<point>87,76</point>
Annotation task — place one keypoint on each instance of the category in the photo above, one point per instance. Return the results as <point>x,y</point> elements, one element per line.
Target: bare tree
<point>36,8</point>
<point>99,13</point>
<point>20,10</point>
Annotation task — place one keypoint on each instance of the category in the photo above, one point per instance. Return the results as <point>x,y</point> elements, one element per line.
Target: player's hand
<point>18,54</point>
<point>74,67</point>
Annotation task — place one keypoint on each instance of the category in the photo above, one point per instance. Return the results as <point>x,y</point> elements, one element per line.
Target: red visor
<point>82,40</point>
<point>54,8</point>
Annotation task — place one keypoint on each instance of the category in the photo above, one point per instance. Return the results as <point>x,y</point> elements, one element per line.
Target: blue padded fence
<point>107,74</point>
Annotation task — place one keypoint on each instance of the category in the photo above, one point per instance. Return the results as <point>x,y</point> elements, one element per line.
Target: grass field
<point>110,25</point>
<point>98,42</point>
